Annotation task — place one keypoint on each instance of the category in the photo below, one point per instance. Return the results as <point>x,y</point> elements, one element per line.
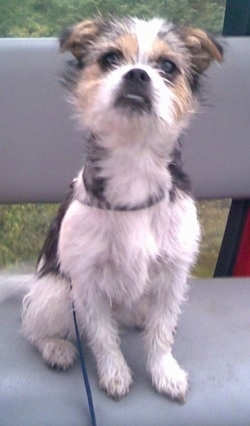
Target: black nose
<point>137,75</point>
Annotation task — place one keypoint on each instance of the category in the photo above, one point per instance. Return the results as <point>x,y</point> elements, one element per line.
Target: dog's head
<point>133,71</point>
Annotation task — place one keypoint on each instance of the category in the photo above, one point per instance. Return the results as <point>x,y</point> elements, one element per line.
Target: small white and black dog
<point>127,234</point>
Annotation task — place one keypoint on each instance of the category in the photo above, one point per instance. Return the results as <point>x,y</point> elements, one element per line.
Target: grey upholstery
<point>212,344</point>
<point>39,154</point>
<point>41,149</point>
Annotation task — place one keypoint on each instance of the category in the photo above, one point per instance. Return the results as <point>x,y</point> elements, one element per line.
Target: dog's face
<point>133,71</point>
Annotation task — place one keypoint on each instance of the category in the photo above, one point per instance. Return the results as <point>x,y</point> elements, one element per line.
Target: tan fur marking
<point>183,97</point>
<point>202,48</point>
<point>80,37</point>
<point>181,88</point>
<point>128,44</point>
<point>160,49</point>
<point>88,86</point>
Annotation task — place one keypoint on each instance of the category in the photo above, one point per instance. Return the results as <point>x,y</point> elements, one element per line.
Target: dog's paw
<point>169,379</point>
<point>116,380</point>
<point>58,353</point>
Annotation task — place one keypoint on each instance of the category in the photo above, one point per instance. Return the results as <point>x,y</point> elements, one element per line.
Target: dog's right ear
<point>79,37</point>
<point>203,48</point>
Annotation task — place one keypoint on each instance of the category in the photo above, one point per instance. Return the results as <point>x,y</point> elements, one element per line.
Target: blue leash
<point>84,370</point>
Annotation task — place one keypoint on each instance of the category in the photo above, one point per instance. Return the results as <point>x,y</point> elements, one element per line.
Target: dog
<point>126,236</point>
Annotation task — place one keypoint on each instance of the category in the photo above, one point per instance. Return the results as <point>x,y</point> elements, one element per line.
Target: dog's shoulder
<point>48,258</point>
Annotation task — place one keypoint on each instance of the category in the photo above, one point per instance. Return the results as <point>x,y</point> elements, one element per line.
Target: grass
<point>213,217</point>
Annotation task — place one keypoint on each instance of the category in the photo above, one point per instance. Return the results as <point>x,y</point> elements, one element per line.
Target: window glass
<point>213,217</point>
<point>46,18</point>
<point>23,227</point>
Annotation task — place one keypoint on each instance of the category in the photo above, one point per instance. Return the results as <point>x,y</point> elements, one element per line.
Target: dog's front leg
<point>102,333</point>
<point>168,293</point>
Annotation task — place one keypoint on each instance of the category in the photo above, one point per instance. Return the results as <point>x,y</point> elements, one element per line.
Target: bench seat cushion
<point>212,344</point>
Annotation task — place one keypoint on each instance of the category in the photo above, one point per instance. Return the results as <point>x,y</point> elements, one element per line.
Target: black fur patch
<point>179,178</point>
<point>94,185</point>
<point>70,75</point>
<point>50,246</point>
<point>195,85</point>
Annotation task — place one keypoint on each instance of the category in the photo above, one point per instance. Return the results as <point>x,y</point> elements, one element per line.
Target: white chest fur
<point>117,251</point>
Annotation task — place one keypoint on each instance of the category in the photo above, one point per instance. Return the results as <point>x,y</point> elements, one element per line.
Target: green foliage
<point>22,231</point>
<point>46,18</point>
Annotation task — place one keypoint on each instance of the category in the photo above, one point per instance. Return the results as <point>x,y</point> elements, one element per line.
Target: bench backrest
<point>41,150</point>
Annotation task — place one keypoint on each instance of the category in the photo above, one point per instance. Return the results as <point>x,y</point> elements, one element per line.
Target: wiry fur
<point>127,235</point>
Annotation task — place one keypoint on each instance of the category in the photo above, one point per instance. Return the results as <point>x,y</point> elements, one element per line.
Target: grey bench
<point>40,151</point>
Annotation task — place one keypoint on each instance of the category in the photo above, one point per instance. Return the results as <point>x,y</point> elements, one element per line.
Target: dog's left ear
<point>78,38</point>
<point>203,48</point>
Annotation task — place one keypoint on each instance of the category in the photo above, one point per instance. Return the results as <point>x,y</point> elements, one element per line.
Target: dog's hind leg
<point>48,321</point>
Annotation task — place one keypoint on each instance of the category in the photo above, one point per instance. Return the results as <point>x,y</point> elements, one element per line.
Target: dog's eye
<point>110,59</point>
<point>168,67</point>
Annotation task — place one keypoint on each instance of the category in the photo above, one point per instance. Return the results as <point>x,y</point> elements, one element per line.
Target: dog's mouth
<point>135,92</point>
<point>134,102</point>
<point>131,97</point>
